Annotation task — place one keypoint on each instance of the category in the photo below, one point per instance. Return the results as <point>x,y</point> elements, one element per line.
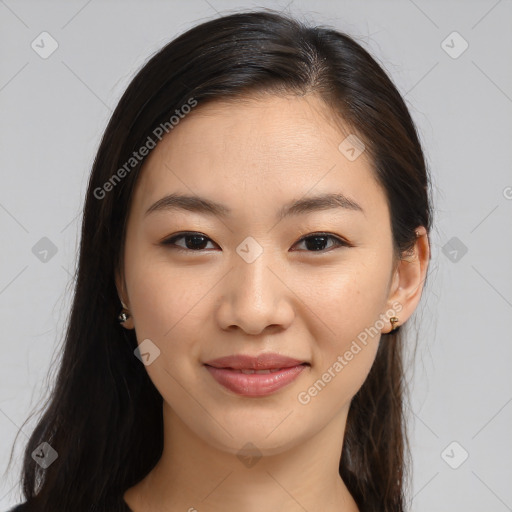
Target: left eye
<point>314,242</point>
<point>318,240</point>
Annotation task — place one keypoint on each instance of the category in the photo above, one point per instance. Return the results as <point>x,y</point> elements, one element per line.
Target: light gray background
<point>54,110</point>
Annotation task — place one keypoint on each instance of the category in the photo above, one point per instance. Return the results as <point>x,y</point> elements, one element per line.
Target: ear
<point>123,298</point>
<point>409,277</point>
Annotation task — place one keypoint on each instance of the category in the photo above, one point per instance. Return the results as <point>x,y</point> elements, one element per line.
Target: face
<point>313,285</point>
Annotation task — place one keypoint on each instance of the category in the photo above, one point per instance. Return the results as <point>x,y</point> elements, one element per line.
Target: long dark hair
<point>104,415</point>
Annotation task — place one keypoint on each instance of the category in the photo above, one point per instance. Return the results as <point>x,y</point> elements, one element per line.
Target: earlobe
<point>124,318</point>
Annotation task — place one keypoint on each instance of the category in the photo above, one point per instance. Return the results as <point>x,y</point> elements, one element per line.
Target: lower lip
<point>254,384</point>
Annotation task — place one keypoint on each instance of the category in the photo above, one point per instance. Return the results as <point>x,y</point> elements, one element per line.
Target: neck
<point>194,475</point>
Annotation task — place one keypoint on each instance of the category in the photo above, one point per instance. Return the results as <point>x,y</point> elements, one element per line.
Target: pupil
<point>197,243</point>
<point>316,246</point>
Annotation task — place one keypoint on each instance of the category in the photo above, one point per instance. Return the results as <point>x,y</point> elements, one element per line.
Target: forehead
<point>256,152</point>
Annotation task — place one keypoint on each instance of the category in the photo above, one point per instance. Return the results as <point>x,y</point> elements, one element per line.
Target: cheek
<point>163,298</point>
<point>350,296</point>
<point>347,305</point>
<point>168,309</point>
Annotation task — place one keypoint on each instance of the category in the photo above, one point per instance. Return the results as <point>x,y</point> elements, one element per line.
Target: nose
<point>255,297</point>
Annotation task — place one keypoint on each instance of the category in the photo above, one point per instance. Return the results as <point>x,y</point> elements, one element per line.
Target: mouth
<point>252,382</point>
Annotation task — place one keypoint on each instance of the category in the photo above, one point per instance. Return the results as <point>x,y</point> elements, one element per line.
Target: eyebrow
<point>299,207</point>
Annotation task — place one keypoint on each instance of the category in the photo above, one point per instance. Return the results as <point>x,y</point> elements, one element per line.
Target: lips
<point>255,376</point>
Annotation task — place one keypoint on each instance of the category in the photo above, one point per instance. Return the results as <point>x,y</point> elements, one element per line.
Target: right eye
<point>192,241</point>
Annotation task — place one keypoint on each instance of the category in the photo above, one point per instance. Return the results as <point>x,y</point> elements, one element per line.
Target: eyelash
<point>171,241</point>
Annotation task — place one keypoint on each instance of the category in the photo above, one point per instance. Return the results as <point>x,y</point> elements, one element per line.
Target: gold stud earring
<point>394,321</point>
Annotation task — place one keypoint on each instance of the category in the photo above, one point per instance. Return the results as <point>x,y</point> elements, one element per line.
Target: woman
<point>260,209</point>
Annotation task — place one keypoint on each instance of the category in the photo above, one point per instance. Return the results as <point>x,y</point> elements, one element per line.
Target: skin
<point>311,305</point>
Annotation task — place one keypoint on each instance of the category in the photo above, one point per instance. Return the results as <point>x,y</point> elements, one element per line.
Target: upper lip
<point>268,361</point>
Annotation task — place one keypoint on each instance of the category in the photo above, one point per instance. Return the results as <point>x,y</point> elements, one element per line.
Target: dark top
<point>25,508</point>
